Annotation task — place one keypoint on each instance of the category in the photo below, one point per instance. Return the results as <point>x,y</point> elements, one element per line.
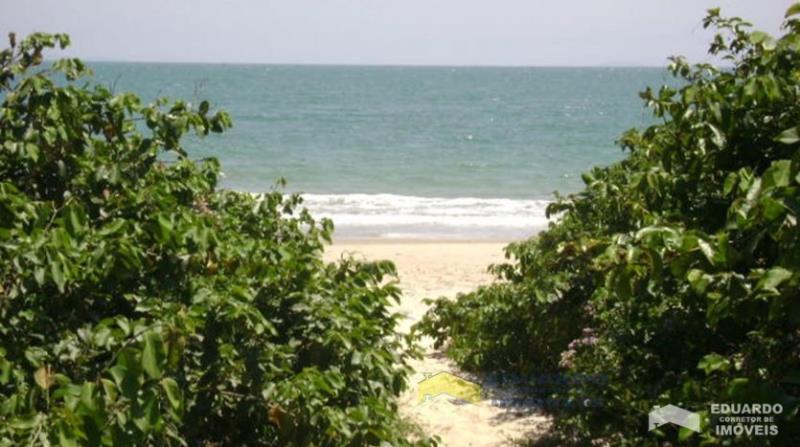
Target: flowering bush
<point>682,261</point>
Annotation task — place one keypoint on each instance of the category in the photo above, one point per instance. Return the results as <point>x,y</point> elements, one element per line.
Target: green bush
<point>140,305</point>
<point>674,276</point>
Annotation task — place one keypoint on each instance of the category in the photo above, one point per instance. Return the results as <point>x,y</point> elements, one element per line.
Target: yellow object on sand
<point>449,384</point>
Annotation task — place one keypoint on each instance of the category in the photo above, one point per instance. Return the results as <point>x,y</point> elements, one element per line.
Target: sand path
<point>433,269</point>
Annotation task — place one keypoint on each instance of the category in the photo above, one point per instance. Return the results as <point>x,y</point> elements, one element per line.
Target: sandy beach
<point>432,269</point>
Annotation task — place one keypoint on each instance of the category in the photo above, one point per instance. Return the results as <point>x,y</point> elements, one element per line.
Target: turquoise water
<point>408,151</point>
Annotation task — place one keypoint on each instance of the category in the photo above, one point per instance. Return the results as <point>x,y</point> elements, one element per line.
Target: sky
<point>385,32</point>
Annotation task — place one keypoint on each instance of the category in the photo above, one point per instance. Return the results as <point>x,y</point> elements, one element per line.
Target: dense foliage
<point>674,276</point>
<point>141,305</point>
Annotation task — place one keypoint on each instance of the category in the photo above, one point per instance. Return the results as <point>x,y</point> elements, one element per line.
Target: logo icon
<point>675,415</point>
<point>445,383</point>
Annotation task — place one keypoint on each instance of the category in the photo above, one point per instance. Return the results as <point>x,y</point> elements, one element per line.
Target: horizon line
<point>377,65</point>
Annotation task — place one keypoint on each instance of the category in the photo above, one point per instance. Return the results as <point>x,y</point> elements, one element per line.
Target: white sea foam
<point>399,216</point>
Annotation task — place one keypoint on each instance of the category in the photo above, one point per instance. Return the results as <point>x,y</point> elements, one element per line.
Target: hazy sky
<point>428,32</point>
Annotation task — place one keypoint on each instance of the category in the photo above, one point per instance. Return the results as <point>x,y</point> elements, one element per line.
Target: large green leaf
<point>153,354</point>
<point>173,393</point>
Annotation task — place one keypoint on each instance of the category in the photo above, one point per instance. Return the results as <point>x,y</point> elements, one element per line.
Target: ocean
<point>408,152</point>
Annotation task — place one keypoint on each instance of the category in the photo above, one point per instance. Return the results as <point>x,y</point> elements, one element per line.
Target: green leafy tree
<point>674,276</point>
<point>141,305</point>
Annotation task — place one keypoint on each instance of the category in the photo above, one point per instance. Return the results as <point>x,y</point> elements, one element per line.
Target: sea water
<point>408,152</point>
